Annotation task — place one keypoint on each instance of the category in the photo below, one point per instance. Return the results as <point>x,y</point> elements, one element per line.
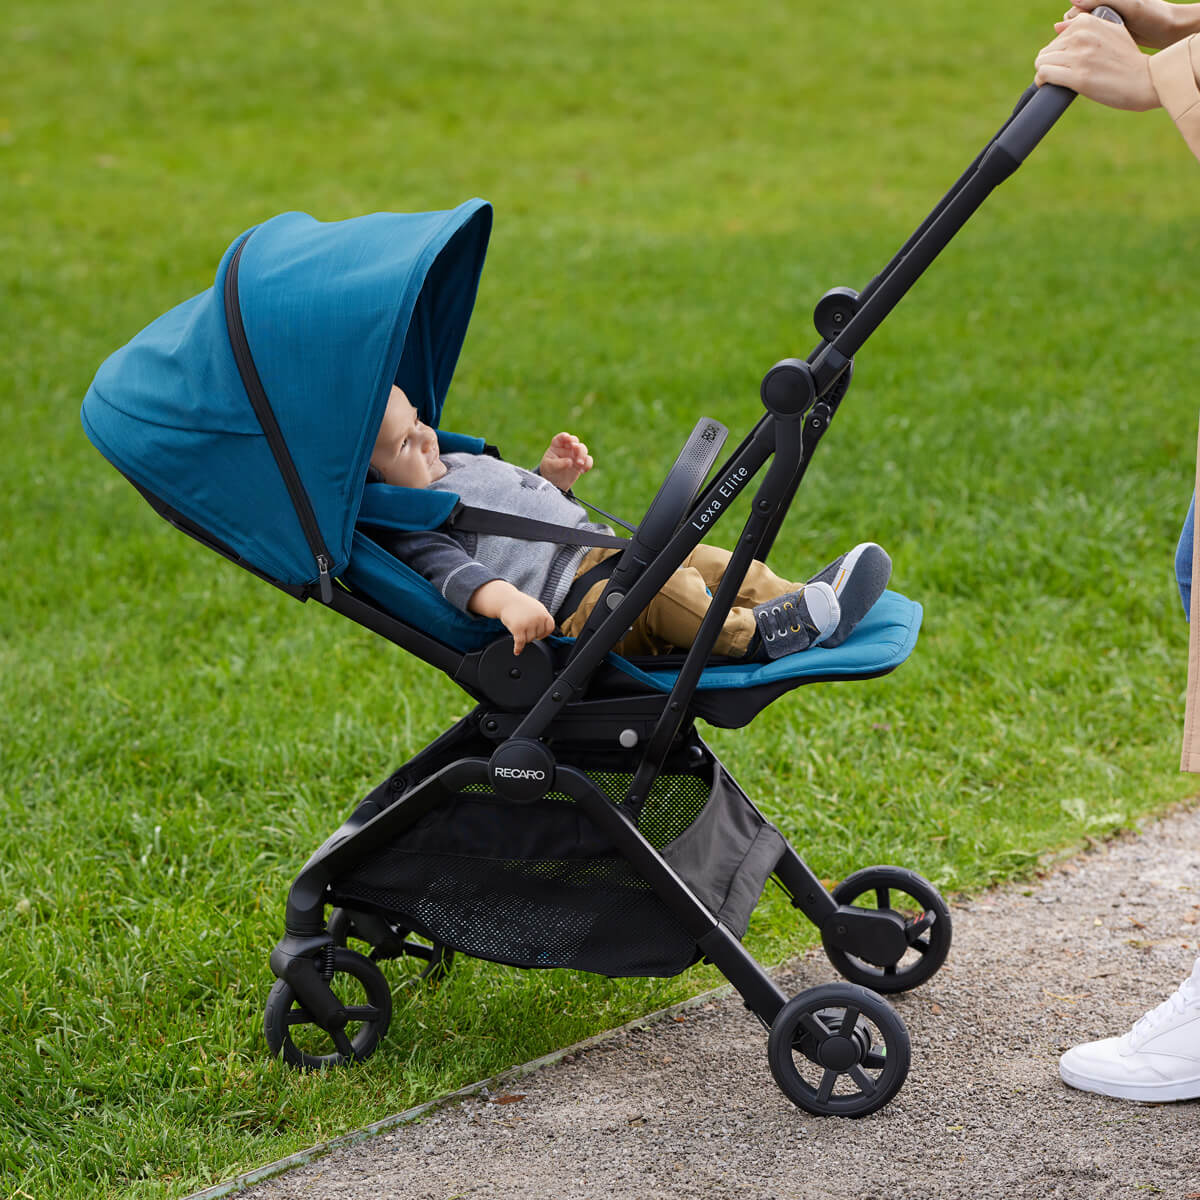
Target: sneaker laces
<point>1185,996</point>
<point>785,618</point>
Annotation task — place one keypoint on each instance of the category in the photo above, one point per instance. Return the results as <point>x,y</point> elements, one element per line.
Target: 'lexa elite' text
<point>726,490</point>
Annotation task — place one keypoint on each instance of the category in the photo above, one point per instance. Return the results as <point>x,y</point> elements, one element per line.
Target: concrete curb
<point>482,1088</point>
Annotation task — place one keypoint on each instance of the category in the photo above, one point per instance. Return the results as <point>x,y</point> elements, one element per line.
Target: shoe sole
<point>1151,1093</point>
<point>858,600</point>
<point>813,596</point>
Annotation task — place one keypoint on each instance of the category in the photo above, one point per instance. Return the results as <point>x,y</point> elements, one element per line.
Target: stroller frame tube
<point>573,678</point>
<point>787,465</point>
<point>1036,111</point>
<point>962,180</point>
<point>295,958</point>
<point>790,438</point>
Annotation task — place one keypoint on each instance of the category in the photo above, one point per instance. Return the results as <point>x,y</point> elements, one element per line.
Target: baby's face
<point>406,451</point>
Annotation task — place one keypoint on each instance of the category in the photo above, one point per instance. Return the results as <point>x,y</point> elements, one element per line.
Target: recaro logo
<point>518,773</point>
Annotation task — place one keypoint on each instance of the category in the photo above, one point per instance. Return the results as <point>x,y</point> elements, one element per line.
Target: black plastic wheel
<point>292,1031</point>
<point>429,961</point>
<point>838,1050</point>
<point>926,918</point>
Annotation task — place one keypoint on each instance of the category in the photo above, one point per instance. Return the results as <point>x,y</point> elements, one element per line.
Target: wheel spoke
<point>814,1026</point>
<point>849,1021</point>
<point>828,1081</point>
<point>875,1061</point>
<point>298,1016</point>
<point>914,929</point>
<point>342,1042</point>
<point>883,897</point>
<point>921,947</point>
<point>361,1012</point>
<point>866,1084</point>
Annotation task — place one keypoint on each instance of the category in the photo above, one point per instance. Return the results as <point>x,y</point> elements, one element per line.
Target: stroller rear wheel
<point>926,918</point>
<point>838,1050</point>
<point>366,999</point>
<point>388,941</point>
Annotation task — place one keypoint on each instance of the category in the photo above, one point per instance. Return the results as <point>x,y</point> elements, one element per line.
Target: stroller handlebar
<point>1035,112</point>
<point>1041,106</point>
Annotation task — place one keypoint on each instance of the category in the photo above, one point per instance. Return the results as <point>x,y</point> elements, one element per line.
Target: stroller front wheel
<point>926,918</point>
<point>366,1000</point>
<point>838,1050</point>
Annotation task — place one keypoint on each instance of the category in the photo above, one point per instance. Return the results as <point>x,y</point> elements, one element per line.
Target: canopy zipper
<point>270,426</point>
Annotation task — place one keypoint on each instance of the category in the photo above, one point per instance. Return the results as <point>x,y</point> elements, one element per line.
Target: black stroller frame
<point>553,728</point>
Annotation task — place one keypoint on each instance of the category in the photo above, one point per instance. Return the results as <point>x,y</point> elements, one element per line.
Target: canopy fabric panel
<point>335,313</point>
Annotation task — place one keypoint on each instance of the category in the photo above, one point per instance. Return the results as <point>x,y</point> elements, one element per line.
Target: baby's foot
<point>858,578</point>
<point>796,620</point>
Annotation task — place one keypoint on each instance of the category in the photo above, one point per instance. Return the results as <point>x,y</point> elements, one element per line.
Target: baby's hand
<point>526,619</point>
<point>565,461</point>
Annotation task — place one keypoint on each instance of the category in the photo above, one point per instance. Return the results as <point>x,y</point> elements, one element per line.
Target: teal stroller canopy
<point>334,314</point>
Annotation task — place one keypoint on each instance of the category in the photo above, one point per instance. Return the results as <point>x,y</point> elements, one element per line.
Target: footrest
<point>882,641</point>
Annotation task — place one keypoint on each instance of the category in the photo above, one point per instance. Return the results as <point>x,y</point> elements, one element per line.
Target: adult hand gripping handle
<point>1041,106</point>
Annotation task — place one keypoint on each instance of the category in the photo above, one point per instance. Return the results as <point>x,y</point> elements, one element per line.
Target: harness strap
<point>257,396</point>
<point>484,520</point>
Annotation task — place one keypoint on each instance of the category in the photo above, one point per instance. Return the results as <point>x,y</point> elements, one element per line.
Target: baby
<point>534,588</point>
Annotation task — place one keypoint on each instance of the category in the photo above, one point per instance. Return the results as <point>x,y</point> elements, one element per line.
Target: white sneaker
<point>1158,1059</point>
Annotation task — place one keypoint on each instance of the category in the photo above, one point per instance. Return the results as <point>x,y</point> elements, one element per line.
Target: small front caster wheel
<point>365,995</point>
<point>838,1051</point>
<point>926,918</point>
<point>427,961</point>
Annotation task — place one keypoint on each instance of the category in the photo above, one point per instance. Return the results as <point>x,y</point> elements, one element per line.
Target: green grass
<point>675,185</point>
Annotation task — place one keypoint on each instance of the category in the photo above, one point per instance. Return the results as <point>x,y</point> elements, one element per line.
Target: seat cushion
<point>882,641</point>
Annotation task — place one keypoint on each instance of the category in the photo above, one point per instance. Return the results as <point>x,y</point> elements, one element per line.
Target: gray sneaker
<point>858,578</point>
<point>796,620</point>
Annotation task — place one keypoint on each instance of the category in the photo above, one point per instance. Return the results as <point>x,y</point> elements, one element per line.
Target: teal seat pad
<point>884,638</point>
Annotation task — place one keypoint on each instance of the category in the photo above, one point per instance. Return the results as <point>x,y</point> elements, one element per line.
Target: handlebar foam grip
<point>1035,118</point>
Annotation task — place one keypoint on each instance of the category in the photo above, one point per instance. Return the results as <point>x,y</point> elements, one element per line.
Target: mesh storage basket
<point>537,885</point>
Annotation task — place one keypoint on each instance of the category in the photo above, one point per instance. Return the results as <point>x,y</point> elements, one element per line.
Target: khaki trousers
<point>673,617</point>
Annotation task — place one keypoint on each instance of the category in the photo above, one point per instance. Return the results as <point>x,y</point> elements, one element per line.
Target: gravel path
<point>686,1107</point>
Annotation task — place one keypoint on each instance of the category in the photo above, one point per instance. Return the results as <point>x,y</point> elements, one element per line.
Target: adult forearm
<point>1102,61</point>
<point>1175,74</point>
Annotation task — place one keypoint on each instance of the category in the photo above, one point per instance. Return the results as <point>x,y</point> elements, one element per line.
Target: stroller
<point>575,818</point>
